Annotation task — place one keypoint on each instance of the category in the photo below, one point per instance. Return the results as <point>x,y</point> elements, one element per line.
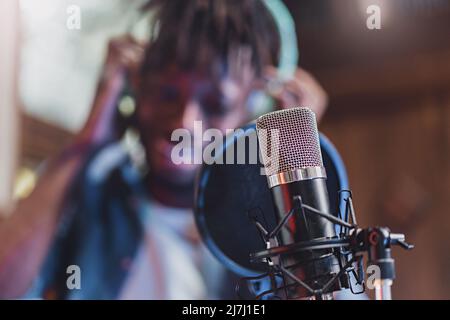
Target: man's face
<point>174,99</point>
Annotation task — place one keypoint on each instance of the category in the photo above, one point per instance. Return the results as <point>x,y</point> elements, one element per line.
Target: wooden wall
<point>41,140</point>
<point>389,116</point>
<point>398,164</point>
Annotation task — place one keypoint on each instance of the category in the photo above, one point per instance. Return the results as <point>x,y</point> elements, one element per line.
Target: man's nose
<point>190,113</point>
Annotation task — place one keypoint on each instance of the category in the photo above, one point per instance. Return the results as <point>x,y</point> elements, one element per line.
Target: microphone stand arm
<point>377,241</point>
<point>352,243</point>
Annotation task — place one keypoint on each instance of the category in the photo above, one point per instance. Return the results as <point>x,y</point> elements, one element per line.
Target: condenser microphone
<point>292,159</point>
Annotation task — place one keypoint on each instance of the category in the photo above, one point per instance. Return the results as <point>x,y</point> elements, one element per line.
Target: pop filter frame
<point>231,197</point>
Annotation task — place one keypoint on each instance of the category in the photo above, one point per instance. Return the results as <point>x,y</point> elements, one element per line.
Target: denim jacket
<point>100,231</point>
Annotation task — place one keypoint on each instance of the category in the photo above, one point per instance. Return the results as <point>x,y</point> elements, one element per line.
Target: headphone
<point>259,101</point>
<point>289,44</point>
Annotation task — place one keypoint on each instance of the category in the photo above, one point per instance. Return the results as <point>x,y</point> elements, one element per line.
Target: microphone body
<point>313,193</point>
<point>298,177</point>
<point>314,268</point>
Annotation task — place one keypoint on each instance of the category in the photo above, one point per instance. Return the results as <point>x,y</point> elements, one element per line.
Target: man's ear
<point>135,84</point>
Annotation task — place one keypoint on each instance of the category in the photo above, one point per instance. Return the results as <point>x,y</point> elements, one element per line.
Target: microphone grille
<point>297,145</point>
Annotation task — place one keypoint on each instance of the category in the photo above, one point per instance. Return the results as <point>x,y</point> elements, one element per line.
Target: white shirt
<point>168,265</point>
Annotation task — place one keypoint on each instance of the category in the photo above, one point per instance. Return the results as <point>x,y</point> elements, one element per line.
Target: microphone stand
<point>377,243</point>
<point>352,243</point>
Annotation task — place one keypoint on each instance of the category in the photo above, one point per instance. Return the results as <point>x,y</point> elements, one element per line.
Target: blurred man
<point>130,235</point>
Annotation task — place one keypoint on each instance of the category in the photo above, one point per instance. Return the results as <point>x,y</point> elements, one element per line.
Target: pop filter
<point>230,197</point>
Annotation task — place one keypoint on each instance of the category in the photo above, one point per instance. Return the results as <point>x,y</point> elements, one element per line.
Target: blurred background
<point>388,114</point>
